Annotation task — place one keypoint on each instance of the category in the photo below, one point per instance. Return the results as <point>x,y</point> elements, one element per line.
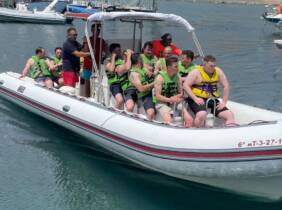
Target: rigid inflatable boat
<point>246,158</point>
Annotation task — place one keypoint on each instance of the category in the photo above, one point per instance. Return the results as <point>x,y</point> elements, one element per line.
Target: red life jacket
<point>158,48</point>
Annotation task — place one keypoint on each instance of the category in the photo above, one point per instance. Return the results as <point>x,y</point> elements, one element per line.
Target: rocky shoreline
<point>241,1</point>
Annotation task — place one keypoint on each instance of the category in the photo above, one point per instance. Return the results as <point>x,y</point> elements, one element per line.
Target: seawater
<point>43,166</point>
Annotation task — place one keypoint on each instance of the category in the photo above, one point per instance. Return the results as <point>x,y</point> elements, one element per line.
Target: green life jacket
<point>113,77</point>
<point>144,79</point>
<point>169,86</point>
<point>151,61</point>
<point>39,68</point>
<point>163,64</point>
<point>58,71</point>
<point>125,82</point>
<point>185,71</point>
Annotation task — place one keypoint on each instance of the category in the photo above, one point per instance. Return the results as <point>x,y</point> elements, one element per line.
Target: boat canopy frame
<point>135,18</point>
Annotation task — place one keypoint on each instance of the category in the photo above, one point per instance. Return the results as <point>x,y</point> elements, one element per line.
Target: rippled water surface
<point>43,166</point>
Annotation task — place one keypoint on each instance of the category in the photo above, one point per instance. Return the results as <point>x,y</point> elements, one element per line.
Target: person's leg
<point>82,87</point>
<point>48,82</point>
<point>188,119</point>
<point>228,117</point>
<point>225,114</point>
<point>60,81</point>
<point>117,93</point>
<point>87,88</point>
<point>165,112</point>
<point>129,104</point>
<point>200,119</point>
<point>199,111</point>
<point>130,98</point>
<point>149,107</point>
<point>119,101</point>
<point>150,114</point>
<point>85,83</point>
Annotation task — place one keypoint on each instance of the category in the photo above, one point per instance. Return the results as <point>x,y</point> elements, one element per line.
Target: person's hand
<point>150,68</point>
<point>148,73</point>
<point>199,101</point>
<point>53,68</point>
<point>22,76</point>
<point>114,55</point>
<point>220,105</point>
<point>128,52</point>
<point>175,99</point>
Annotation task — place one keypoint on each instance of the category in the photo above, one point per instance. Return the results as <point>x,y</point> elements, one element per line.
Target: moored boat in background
<point>273,15</point>
<point>23,15</point>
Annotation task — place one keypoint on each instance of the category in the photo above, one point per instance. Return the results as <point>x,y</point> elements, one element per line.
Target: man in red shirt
<point>160,45</point>
<point>96,43</point>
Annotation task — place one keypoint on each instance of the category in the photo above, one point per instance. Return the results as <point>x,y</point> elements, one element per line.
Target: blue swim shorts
<point>86,74</point>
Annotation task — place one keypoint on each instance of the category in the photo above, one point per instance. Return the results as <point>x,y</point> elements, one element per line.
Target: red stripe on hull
<point>144,148</point>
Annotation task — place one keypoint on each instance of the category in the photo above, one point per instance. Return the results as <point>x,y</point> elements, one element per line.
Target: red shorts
<point>70,78</point>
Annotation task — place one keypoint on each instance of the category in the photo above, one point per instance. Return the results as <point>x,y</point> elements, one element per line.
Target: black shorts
<point>148,102</point>
<point>42,79</point>
<point>55,79</point>
<point>130,94</point>
<point>115,89</point>
<point>196,108</point>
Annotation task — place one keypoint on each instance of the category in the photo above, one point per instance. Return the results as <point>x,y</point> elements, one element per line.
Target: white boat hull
<point>235,159</point>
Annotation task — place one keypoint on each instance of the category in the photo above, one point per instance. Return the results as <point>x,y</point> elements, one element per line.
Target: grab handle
<point>66,108</point>
<point>209,123</point>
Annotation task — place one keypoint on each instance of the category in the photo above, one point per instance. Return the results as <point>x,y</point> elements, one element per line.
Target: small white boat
<point>245,159</point>
<point>273,15</point>
<point>22,14</point>
<point>278,43</point>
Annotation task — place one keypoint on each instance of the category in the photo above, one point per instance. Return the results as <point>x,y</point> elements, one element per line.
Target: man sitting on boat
<point>71,58</point>
<point>55,65</point>
<point>114,66</point>
<point>186,65</point>
<point>38,68</point>
<point>148,58</point>
<point>99,45</point>
<point>161,63</point>
<point>168,92</point>
<point>166,41</point>
<point>202,84</point>
<point>129,91</point>
<point>143,83</point>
